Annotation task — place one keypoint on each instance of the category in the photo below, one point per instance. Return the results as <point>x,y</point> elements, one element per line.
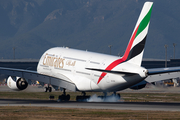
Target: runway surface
<point>153,106</point>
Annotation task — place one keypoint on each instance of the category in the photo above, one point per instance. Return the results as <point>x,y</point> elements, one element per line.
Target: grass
<point>46,113</point>
<point>152,97</point>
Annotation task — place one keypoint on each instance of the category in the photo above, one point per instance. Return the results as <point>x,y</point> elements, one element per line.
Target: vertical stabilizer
<point>135,48</point>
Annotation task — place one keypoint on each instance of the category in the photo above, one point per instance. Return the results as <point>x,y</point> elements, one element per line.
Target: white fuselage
<point>70,65</point>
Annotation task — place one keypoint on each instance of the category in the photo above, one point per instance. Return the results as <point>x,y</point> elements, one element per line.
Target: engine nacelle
<point>139,86</point>
<point>17,83</point>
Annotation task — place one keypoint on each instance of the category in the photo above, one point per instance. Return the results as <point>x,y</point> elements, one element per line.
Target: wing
<point>162,74</point>
<point>61,81</point>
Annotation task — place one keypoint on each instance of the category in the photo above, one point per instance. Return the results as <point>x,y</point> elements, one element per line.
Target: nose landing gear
<point>48,89</point>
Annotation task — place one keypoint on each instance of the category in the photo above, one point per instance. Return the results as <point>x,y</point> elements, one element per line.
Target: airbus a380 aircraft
<point>85,71</point>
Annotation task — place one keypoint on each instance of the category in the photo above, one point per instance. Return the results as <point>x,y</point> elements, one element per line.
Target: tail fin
<point>135,49</point>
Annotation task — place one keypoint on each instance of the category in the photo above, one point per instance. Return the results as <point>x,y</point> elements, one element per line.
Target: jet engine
<point>139,86</point>
<point>16,83</point>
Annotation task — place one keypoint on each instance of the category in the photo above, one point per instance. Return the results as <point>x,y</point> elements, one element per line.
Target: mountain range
<point>29,27</point>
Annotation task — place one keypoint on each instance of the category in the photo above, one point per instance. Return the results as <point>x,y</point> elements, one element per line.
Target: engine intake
<point>17,83</point>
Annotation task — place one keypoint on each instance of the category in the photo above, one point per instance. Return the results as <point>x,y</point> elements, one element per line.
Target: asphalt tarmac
<point>153,106</point>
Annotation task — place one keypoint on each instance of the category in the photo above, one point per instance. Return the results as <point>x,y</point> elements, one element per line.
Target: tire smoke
<point>112,98</point>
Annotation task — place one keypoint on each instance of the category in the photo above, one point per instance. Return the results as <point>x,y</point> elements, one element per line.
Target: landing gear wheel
<point>68,97</point>
<point>64,97</point>
<point>119,96</point>
<point>46,89</point>
<point>82,98</point>
<point>50,89</point>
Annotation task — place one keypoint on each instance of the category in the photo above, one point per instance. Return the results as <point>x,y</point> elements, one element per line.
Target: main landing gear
<point>64,97</point>
<point>114,97</point>
<point>111,98</point>
<point>82,98</point>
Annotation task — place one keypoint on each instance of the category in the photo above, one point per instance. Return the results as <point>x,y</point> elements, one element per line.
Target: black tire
<point>67,97</point>
<point>82,98</point>
<point>119,96</point>
<point>59,97</point>
<point>64,97</point>
<point>50,89</point>
<point>45,89</point>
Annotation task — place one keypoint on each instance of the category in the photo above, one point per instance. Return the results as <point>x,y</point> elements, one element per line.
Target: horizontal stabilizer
<point>110,71</point>
<point>162,70</point>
